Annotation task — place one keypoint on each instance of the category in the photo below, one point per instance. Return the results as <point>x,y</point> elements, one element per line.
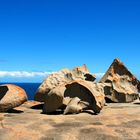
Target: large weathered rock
<point>124,83</point>
<point>11,96</point>
<point>51,82</point>
<point>62,77</point>
<point>91,96</point>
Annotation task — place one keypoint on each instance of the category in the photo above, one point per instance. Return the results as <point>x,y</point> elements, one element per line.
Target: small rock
<point>11,96</point>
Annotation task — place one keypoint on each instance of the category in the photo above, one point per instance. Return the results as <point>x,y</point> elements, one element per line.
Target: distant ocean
<point>30,88</point>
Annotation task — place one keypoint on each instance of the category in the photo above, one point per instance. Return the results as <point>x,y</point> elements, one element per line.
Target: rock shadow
<point>37,107</point>
<point>14,111</point>
<point>138,103</point>
<point>57,112</point>
<point>77,90</point>
<point>89,112</point>
<point>3,91</point>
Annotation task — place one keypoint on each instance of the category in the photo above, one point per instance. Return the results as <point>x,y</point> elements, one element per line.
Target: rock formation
<point>74,91</point>
<point>82,73</point>
<point>62,77</point>
<point>90,96</point>
<point>11,96</point>
<point>124,83</point>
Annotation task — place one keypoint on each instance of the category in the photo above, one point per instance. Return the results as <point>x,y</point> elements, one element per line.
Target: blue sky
<point>48,35</point>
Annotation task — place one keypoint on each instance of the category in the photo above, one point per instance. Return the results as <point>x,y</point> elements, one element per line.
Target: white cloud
<point>23,74</point>
<point>27,74</point>
<point>99,75</point>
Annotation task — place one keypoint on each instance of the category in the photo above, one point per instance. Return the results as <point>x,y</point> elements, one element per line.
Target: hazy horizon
<point>31,77</point>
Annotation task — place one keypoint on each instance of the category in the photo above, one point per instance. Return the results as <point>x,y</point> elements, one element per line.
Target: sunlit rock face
<point>11,96</point>
<point>124,84</point>
<point>90,96</point>
<point>62,77</point>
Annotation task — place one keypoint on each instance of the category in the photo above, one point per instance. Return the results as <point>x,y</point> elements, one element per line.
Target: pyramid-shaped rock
<point>124,84</point>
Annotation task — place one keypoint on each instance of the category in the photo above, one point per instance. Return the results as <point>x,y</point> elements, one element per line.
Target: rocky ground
<point>120,121</point>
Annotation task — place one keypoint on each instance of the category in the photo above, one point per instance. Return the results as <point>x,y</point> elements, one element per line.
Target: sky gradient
<point>48,35</point>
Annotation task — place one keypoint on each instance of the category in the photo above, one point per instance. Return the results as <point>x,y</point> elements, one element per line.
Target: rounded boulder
<point>11,96</point>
